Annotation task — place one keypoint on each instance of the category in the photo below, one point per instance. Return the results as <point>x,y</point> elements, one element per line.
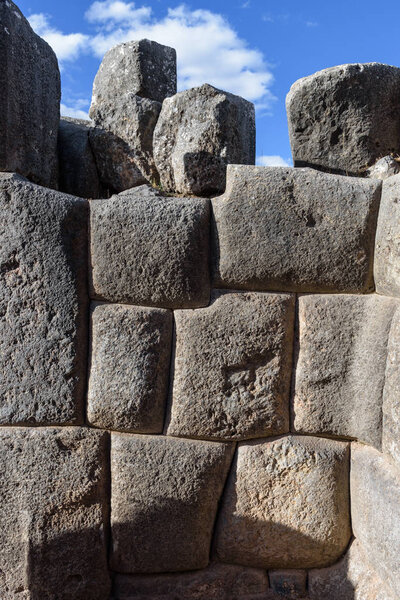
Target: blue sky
<point>254,48</point>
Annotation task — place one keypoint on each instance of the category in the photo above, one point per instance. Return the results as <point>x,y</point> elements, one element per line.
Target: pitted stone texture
<point>77,168</point>
<point>391,393</point>
<point>164,497</point>
<point>217,582</point>
<point>340,368</point>
<point>53,514</point>
<point>345,118</point>
<point>278,228</point>
<point>150,250</point>
<point>129,371</point>
<point>286,504</point>
<point>30,93</point>
<point>290,584</point>
<point>43,304</point>
<point>143,68</point>
<point>233,367</point>
<point>375,511</point>
<point>384,168</point>
<point>387,246</point>
<point>198,133</point>
<point>350,579</point>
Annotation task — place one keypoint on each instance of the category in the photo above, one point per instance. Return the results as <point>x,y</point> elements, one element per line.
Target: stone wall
<point>200,374</point>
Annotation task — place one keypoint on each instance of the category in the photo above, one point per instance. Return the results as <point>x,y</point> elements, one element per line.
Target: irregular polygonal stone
<point>43,304</point>
<point>77,168</point>
<point>290,584</point>
<point>345,118</point>
<point>217,582</point>
<point>150,250</point>
<point>375,511</point>
<point>278,228</point>
<point>387,246</point>
<point>143,67</point>
<point>341,361</point>
<point>233,367</point>
<point>129,370</point>
<point>30,93</point>
<point>350,579</point>
<point>198,133</point>
<point>385,167</point>
<point>286,504</point>
<point>164,498</point>
<point>391,393</point>
<point>53,514</point>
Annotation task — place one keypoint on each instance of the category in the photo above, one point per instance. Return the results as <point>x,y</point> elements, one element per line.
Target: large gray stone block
<point>198,133</point>
<point>30,93</point>
<point>164,498</point>
<point>345,118</point>
<point>387,246</point>
<point>53,514</point>
<point>375,511</point>
<point>278,228</point>
<point>391,393</point>
<point>150,250</point>
<point>43,304</point>
<point>233,367</point>
<point>340,365</point>
<point>286,504</point>
<point>129,370</point>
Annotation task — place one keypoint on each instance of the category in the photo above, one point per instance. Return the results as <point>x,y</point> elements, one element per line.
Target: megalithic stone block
<point>387,245</point>
<point>345,118</point>
<point>30,93</point>
<point>391,393</point>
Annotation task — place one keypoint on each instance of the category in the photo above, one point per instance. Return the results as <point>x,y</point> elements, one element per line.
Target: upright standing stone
<point>278,228</point>
<point>387,245</point>
<point>43,304</point>
<point>53,514</point>
<point>391,393</point>
<point>198,133</point>
<point>345,118</point>
<point>30,93</point>
<point>233,367</point>
<point>164,498</point>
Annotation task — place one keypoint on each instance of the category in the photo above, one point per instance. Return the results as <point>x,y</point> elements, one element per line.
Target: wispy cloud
<point>66,46</point>
<point>73,111</point>
<point>311,24</point>
<point>272,161</point>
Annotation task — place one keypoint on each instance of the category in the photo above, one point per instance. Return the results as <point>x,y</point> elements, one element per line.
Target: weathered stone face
<point>340,365</point>
<point>391,393</point>
<point>387,247</point>
<point>384,168</point>
<point>77,168</point>
<point>30,93</point>
<point>375,511</point>
<point>233,367</point>
<point>53,512</point>
<point>129,370</point>
<point>150,250</point>
<point>168,486</point>
<point>298,230</point>
<point>43,304</point>
<point>286,504</point>
<point>198,133</point>
<point>290,584</point>
<point>345,118</point>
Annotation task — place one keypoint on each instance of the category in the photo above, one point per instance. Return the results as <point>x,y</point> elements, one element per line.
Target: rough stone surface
<point>150,250</point>
<point>30,93</point>
<point>391,393</point>
<point>129,371</point>
<point>233,367</point>
<point>286,504</point>
<point>387,246</point>
<point>77,168</point>
<point>284,229</point>
<point>385,167</point>
<point>168,486</point>
<point>198,133</point>
<point>340,365</point>
<point>291,584</point>
<point>345,118</point>
<point>350,579</point>
<point>143,68</point>
<point>43,304</point>
<point>375,511</point>
<point>217,582</point>
<point>53,514</point>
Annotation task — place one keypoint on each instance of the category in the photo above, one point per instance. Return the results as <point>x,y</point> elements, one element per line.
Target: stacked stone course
<point>199,393</point>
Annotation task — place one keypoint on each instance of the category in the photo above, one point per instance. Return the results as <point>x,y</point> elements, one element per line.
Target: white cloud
<point>66,46</point>
<point>75,112</point>
<point>116,11</point>
<point>272,161</point>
